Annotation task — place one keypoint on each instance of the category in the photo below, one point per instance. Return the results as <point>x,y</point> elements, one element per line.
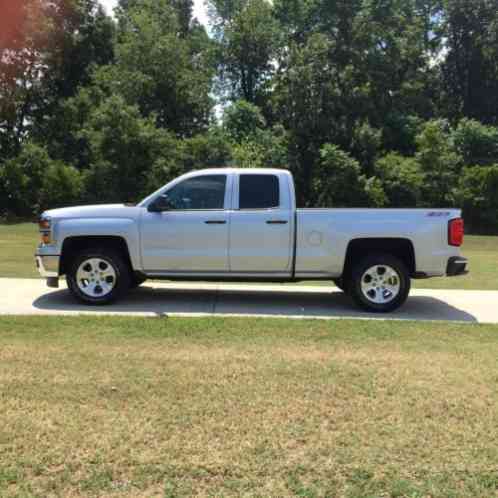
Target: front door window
<point>199,193</point>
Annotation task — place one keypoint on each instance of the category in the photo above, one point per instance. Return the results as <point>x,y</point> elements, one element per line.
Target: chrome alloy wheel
<point>380,284</point>
<point>96,277</point>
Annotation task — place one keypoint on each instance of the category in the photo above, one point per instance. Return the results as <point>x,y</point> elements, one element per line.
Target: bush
<point>264,149</point>
<point>366,145</point>
<point>207,150</point>
<point>21,180</point>
<point>402,180</point>
<point>242,120</point>
<point>439,162</point>
<point>478,195</point>
<point>62,185</point>
<point>400,132</point>
<point>32,182</point>
<point>338,181</point>
<point>476,143</point>
<point>125,151</point>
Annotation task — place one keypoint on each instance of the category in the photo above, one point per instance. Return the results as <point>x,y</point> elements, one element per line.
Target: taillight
<point>455,232</point>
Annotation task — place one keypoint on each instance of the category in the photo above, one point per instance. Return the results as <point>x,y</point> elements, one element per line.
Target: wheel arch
<point>401,248</point>
<point>74,244</point>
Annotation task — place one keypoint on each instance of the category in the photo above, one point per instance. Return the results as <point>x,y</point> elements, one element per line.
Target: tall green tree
<point>347,64</point>
<point>470,68</point>
<point>124,151</point>
<point>85,43</point>
<point>367,102</point>
<point>46,54</point>
<point>248,38</point>
<point>166,74</point>
<point>184,12</point>
<point>25,40</point>
<point>304,98</point>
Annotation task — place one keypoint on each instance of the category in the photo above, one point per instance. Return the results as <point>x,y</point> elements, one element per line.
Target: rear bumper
<point>456,266</point>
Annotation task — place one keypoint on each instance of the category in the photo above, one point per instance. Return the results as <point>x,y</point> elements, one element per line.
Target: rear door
<point>260,237</point>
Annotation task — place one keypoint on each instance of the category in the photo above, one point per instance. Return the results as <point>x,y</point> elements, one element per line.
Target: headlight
<point>45,225</point>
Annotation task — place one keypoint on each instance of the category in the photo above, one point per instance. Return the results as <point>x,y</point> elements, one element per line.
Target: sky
<point>199,9</point>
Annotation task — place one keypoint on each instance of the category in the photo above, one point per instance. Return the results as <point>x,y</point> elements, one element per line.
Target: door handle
<point>276,222</point>
<point>215,222</point>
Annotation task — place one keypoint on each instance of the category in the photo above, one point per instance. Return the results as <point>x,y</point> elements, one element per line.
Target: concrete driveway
<point>32,297</point>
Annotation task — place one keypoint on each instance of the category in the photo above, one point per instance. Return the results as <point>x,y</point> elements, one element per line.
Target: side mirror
<point>161,204</point>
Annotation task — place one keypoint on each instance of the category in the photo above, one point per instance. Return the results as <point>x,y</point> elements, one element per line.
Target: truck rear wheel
<point>98,276</point>
<point>136,281</point>
<point>380,283</point>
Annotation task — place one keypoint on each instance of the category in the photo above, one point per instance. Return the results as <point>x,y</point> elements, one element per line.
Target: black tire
<point>120,283</point>
<point>401,278</point>
<point>340,284</point>
<point>136,281</point>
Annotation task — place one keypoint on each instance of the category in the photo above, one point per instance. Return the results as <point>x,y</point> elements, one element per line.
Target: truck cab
<point>219,222</point>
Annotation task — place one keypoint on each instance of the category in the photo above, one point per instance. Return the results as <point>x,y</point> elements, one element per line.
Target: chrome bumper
<point>48,265</point>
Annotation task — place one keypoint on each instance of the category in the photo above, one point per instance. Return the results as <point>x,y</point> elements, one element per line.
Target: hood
<point>95,211</point>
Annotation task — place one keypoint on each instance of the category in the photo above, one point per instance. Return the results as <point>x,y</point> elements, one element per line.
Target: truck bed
<point>323,236</point>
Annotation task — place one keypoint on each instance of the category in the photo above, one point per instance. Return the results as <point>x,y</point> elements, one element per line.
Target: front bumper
<point>48,265</point>
<point>457,266</point>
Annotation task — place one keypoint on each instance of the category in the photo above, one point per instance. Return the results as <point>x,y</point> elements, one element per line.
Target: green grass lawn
<point>17,248</point>
<point>163,407</point>
<point>18,243</point>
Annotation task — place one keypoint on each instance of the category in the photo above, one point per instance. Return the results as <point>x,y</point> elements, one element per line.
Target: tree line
<point>380,103</point>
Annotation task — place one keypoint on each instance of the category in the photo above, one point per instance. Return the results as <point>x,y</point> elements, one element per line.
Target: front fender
<point>125,228</point>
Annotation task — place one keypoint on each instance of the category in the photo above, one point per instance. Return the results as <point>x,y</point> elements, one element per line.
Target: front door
<point>192,235</point>
<point>260,227</point>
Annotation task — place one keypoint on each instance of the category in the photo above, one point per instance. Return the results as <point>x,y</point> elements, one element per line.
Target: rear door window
<point>258,191</point>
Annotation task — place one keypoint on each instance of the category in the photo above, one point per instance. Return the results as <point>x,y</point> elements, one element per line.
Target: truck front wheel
<point>341,284</point>
<point>380,283</point>
<point>98,276</point>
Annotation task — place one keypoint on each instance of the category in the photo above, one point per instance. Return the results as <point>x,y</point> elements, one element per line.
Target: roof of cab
<point>261,171</point>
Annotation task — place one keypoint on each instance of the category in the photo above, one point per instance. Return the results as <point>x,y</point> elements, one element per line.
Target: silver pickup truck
<point>242,224</point>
